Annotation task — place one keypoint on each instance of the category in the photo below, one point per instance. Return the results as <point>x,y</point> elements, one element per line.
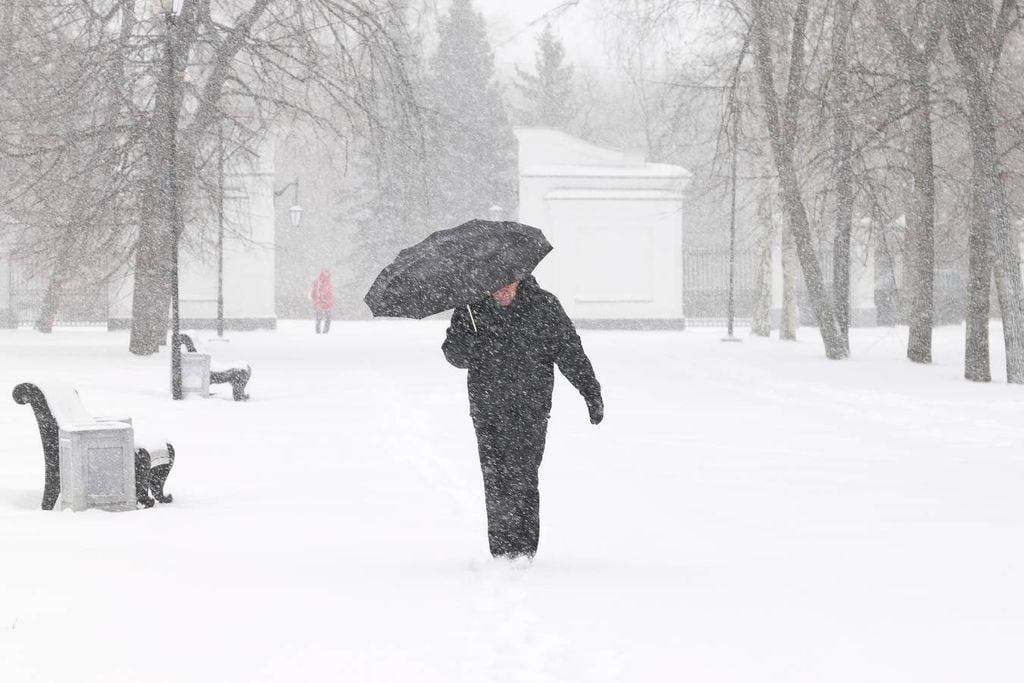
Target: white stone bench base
<point>97,466</point>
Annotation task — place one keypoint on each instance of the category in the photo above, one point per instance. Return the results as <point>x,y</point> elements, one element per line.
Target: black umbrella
<point>456,267</point>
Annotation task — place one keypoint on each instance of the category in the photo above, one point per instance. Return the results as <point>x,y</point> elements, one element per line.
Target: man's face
<point>504,296</point>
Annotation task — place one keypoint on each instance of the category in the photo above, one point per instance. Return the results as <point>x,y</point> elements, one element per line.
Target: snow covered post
<point>7,316</point>
<point>785,306</point>
<point>761,321</point>
<point>776,268</point>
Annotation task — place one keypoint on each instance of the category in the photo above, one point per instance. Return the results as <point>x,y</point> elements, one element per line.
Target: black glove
<point>596,408</point>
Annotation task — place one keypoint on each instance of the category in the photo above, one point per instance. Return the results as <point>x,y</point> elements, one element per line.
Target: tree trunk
<point>782,133</point>
<point>976,47</point>
<point>921,218</point>
<point>58,276</point>
<point>844,167</point>
<point>790,319</point>
<point>151,291</point>
<point>152,288</point>
<point>761,322</point>
<point>1005,249</point>
<point>977,365</point>
<point>917,55</point>
<point>51,301</point>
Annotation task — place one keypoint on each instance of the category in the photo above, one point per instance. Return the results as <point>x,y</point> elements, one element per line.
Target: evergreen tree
<point>549,93</point>
<point>471,141</point>
<point>385,210</point>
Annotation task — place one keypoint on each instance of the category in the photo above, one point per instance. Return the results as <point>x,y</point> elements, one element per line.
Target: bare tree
<point>789,319</point>
<point>881,115</point>
<point>842,17</point>
<point>781,118</point>
<point>267,58</point>
<point>977,35</point>
<point>100,119</point>
<point>62,167</point>
<point>917,54</point>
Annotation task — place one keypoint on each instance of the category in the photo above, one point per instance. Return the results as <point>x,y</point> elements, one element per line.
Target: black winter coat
<point>512,354</point>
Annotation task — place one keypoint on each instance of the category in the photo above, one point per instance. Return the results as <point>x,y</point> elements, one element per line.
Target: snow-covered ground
<point>747,512</point>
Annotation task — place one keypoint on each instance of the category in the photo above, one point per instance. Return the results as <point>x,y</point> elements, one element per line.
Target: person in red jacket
<point>322,300</point>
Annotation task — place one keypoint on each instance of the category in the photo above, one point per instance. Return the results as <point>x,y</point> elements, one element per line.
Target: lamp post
<point>733,138</point>
<point>171,9</point>
<point>295,210</point>
<point>220,229</point>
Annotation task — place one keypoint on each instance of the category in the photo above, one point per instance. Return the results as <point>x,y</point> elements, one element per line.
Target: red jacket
<point>320,295</point>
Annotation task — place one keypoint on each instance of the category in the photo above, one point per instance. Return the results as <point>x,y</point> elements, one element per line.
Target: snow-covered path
<point>746,512</point>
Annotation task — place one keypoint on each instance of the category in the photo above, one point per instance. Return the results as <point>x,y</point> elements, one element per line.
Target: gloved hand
<point>596,408</point>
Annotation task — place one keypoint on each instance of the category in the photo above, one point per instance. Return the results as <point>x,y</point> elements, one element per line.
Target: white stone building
<point>616,224</point>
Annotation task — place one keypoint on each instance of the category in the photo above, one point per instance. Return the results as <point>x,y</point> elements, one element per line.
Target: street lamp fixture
<point>295,210</point>
<point>171,7</point>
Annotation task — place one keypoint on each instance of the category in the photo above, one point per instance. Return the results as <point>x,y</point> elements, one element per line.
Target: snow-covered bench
<point>109,444</point>
<point>236,374</point>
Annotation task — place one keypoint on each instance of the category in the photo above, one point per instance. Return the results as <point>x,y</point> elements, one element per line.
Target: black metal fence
<point>706,283</point>
<point>79,308</point>
<point>706,289</point>
<point>80,305</point>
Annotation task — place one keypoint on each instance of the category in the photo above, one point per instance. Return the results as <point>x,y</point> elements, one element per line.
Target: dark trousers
<point>325,316</point>
<point>510,454</point>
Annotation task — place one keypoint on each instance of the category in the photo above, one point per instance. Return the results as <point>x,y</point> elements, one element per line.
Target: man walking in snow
<point>510,343</point>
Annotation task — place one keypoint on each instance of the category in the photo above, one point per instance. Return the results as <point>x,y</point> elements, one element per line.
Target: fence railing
<point>80,308</point>
<point>706,284</point>
<point>706,289</point>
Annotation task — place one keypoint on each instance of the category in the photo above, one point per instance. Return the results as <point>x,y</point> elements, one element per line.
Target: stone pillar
<point>761,318</point>
<point>776,270</point>
<point>786,276</point>
<point>8,318</point>
<point>862,276</point>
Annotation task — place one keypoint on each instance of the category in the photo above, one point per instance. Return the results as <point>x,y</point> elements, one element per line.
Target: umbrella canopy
<point>456,267</point>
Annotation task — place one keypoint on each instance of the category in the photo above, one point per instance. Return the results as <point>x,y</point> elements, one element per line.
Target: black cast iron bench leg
<point>49,434</point>
<point>238,378</point>
<point>152,479</point>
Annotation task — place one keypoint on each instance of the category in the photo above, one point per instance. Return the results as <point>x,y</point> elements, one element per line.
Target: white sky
<point>514,39</point>
<point>588,34</point>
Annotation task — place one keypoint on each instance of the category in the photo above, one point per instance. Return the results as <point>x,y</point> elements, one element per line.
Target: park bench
<point>236,374</point>
<point>96,461</point>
